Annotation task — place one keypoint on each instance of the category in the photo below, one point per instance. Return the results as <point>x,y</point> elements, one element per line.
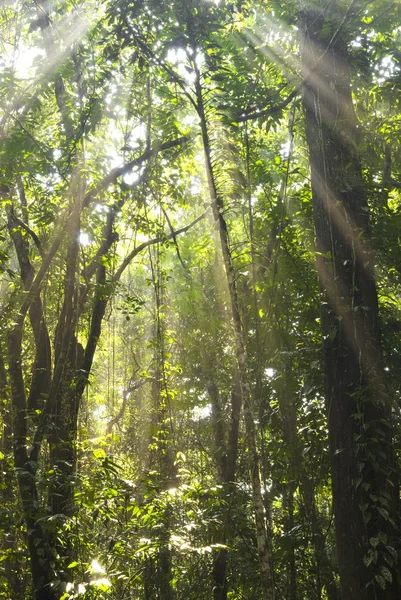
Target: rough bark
<point>40,550</point>
<point>358,409</point>
<point>41,373</point>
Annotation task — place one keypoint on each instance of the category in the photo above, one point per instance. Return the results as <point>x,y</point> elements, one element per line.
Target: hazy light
<point>103,582</point>
<point>201,412</point>
<point>99,411</point>
<point>130,178</point>
<point>176,55</point>
<point>24,63</point>
<point>189,120</point>
<point>270,372</point>
<point>138,133</point>
<point>141,237</point>
<point>96,567</point>
<point>285,150</point>
<point>84,239</point>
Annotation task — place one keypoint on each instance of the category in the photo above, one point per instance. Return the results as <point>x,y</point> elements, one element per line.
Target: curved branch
<point>29,231</point>
<point>127,168</point>
<point>173,233</point>
<point>271,110</point>
<point>131,388</point>
<point>152,242</point>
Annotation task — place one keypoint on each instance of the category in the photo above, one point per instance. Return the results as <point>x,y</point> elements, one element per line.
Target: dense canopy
<point>200,300</point>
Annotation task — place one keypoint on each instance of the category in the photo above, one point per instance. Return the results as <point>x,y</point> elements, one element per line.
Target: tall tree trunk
<point>359,412</point>
<point>288,412</point>
<point>226,459</point>
<point>41,552</point>
<point>266,575</point>
<point>159,567</point>
<point>12,566</point>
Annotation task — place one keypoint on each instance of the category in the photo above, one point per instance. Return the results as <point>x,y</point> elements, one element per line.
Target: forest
<point>200,299</point>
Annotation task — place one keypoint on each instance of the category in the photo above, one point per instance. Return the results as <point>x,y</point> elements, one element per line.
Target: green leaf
<point>386,574</point>
<point>371,557</point>
<point>99,453</point>
<point>392,551</point>
<point>384,513</point>
<point>381,581</point>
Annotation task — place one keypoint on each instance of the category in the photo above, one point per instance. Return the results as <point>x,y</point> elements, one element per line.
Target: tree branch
<point>131,388</point>
<point>173,233</point>
<point>271,110</point>
<point>137,162</point>
<point>28,230</point>
<point>151,242</point>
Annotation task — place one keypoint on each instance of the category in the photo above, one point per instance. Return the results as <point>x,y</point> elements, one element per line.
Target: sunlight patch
<point>84,239</point>
<point>103,583</point>
<point>201,412</point>
<point>270,373</point>
<point>176,55</point>
<point>131,178</point>
<point>96,567</point>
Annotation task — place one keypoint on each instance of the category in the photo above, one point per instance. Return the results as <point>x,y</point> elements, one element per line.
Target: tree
<point>200,259</point>
<point>359,411</point>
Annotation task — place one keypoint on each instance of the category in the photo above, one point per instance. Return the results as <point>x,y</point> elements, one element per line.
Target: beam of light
<point>333,205</point>
<point>271,50</point>
<point>313,65</point>
<point>70,29</point>
<point>332,284</point>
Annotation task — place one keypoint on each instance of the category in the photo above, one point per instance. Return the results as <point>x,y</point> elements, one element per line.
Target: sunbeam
<point>59,37</point>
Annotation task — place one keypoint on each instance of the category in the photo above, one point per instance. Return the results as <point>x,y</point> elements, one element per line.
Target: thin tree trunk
<point>226,459</point>
<point>266,575</point>
<point>288,411</point>
<point>161,460</point>
<point>12,567</point>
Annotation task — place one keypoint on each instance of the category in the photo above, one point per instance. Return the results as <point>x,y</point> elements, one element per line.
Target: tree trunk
<point>358,410</point>
<point>288,410</point>
<point>159,566</point>
<point>12,566</point>
<point>40,549</point>
<point>226,459</point>
<point>266,575</point>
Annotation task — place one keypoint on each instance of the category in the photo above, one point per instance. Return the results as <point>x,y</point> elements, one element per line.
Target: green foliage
<point>141,451</point>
